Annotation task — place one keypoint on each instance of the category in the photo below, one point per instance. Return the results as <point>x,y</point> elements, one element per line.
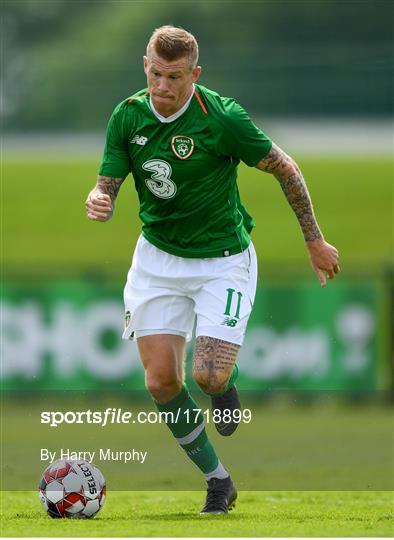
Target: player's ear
<point>196,73</point>
<point>146,64</point>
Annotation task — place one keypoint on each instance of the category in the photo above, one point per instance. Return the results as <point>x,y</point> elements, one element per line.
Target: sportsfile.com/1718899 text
<point>118,416</point>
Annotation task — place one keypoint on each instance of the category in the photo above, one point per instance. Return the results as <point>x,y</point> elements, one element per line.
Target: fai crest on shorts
<point>182,146</point>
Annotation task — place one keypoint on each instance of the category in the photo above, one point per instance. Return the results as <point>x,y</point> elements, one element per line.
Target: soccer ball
<point>72,489</point>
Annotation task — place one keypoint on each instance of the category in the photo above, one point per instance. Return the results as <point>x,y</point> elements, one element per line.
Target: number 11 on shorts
<point>230,293</point>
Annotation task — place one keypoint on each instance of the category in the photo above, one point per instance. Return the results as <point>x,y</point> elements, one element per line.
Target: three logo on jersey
<point>181,145</point>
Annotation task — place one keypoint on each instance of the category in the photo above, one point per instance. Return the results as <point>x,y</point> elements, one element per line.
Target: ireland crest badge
<point>182,146</point>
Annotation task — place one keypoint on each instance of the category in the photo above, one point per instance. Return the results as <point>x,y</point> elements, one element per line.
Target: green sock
<point>187,426</point>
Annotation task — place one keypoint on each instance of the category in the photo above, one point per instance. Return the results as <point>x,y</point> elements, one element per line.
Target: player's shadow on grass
<point>30,515</point>
<point>187,516</point>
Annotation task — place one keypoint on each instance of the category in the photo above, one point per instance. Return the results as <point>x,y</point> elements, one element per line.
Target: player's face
<point>170,83</point>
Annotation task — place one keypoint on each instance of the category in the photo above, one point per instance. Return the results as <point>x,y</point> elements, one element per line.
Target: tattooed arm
<point>101,200</point>
<point>324,257</point>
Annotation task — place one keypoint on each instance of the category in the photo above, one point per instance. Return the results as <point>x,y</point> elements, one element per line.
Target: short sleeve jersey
<point>185,171</point>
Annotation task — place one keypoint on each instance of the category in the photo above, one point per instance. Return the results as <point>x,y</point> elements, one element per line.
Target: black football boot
<point>221,496</point>
<point>230,401</point>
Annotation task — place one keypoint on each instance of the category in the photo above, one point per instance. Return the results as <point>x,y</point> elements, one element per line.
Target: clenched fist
<point>99,206</point>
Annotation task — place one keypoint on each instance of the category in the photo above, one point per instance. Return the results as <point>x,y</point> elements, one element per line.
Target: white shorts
<point>164,294</point>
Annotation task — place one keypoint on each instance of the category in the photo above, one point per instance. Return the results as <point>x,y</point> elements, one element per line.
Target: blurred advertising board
<point>67,335</point>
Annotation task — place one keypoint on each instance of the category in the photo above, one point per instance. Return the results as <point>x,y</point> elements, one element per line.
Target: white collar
<point>167,119</point>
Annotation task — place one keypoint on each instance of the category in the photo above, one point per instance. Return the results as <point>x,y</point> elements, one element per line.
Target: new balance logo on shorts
<point>230,322</point>
<point>139,139</point>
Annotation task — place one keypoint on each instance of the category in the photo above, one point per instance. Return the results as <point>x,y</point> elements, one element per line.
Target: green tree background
<point>65,60</point>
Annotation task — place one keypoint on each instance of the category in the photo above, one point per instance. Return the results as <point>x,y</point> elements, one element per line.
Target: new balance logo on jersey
<point>139,139</point>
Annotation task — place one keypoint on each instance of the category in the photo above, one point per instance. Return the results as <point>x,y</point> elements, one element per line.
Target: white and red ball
<point>72,488</point>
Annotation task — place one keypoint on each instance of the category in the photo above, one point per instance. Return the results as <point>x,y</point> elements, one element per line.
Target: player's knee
<point>162,389</point>
<point>211,382</point>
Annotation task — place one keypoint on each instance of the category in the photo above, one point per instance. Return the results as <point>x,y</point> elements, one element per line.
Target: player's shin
<point>230,382</point>
<point>186,423</point>
<point>217,389</point>
<point>227,404</point>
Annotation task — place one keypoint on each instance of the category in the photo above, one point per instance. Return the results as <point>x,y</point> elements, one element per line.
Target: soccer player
<point>182,143</point>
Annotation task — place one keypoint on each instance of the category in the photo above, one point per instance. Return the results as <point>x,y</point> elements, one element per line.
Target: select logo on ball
<point>86,470</point>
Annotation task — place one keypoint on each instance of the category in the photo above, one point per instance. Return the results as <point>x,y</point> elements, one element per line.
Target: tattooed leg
<point>213,363</point>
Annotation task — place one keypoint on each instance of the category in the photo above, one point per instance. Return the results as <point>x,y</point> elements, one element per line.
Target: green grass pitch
<point>175,514</point>
<point>288,446</point>
<point>44,226</point>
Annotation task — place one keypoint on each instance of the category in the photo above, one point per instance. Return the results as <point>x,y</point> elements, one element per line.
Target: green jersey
<point>185,170</point>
